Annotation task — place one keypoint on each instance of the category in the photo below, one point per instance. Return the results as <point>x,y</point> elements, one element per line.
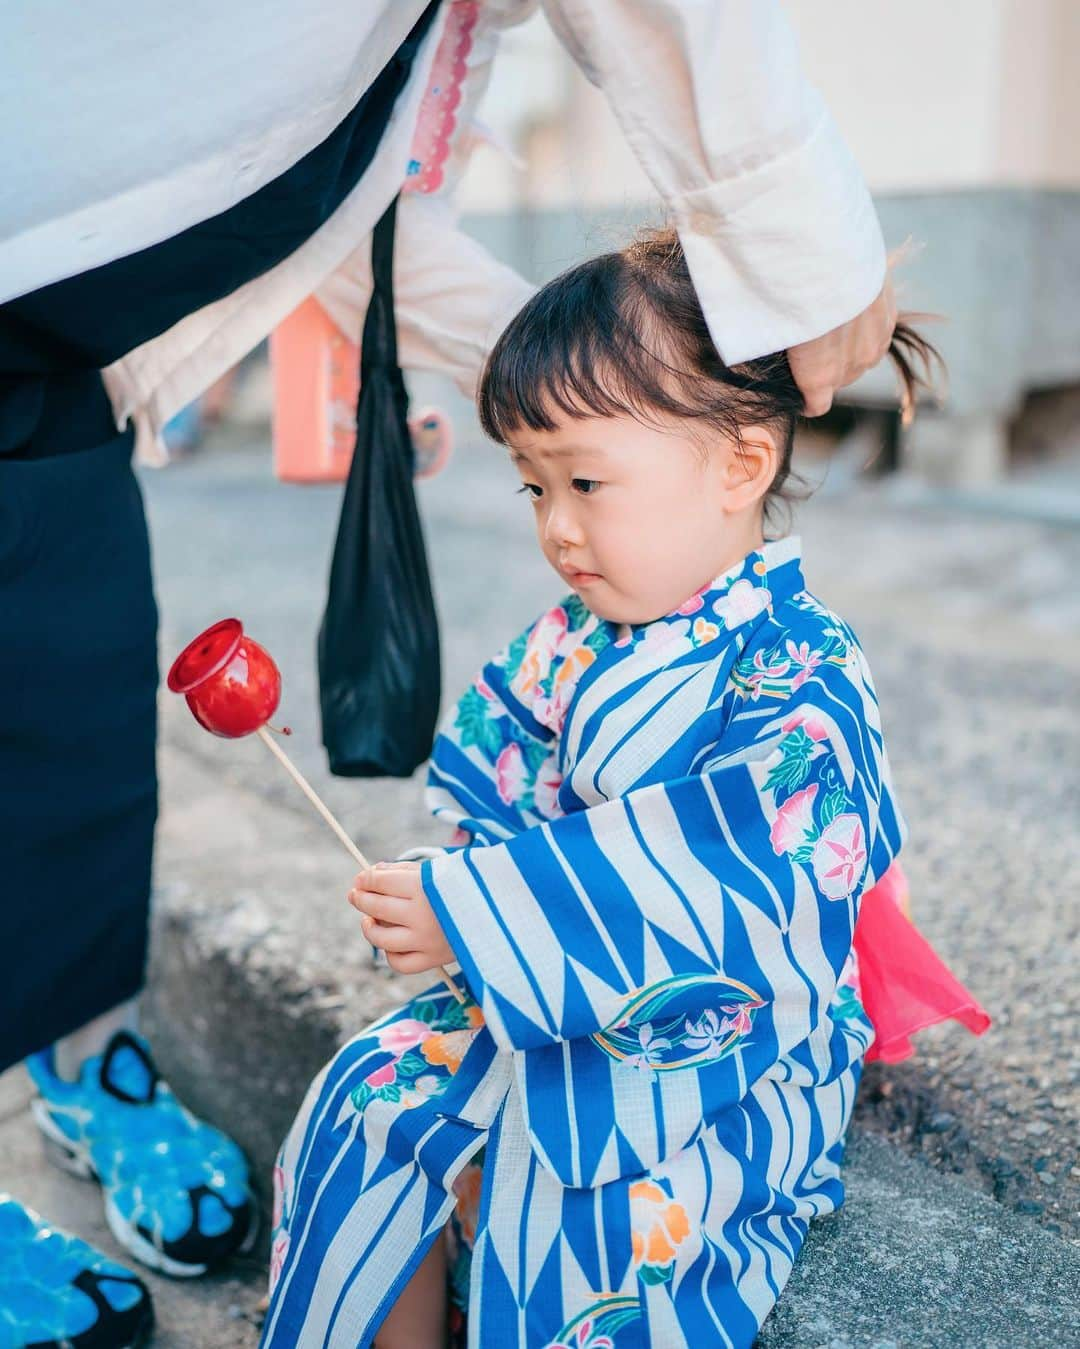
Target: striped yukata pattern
<point>664,832</point>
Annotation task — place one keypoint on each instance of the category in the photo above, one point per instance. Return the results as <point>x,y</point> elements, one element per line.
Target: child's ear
<point>750,468</point>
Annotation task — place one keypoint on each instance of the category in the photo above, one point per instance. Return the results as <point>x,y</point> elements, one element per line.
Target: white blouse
<point>778,227</point>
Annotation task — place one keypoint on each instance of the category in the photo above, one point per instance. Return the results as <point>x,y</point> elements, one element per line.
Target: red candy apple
<point>231,683</point>
<point>233,688</point>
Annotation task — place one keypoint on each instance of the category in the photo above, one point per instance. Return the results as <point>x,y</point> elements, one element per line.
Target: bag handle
<point>378,346</point>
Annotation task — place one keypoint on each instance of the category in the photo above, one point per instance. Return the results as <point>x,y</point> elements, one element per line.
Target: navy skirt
<point>78,624</point>
<point>78,791</point>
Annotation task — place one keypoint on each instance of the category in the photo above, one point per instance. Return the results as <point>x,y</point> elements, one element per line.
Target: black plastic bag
<point>379,670</point>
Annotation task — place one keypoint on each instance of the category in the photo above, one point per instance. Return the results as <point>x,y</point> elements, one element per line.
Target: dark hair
<point>624,334</point>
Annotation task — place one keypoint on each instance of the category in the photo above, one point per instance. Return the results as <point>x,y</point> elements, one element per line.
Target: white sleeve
<point>451,297</point>
<point>778,228</point>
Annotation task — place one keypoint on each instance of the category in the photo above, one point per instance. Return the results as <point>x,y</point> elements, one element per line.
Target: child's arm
<point>490,771</point>
<point>485,779</point>
<point>751,871</point>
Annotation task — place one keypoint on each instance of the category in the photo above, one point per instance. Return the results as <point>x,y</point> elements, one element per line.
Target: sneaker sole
<point>74,1158</point>
<point>145,1333</point>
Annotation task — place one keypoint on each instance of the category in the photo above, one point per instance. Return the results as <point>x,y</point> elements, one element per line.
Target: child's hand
<point>398,918</point>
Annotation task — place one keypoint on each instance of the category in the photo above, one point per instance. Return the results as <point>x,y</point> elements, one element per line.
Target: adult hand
<point>398,918</point>
<point>839,357</point>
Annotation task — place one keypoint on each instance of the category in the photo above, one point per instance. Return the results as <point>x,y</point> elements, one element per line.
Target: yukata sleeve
<point>780,234</point>
<point>494,767</point>
<point>745,878</point>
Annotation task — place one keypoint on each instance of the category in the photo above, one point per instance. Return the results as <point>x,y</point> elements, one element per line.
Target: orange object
<point>316,384</point>
<point>316,373</point>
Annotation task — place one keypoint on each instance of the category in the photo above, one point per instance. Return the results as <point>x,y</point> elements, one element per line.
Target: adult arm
<point>778,228</point>
<point>452,298</point>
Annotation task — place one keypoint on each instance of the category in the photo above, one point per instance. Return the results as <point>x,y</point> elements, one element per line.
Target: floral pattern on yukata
<point>681,1022</point>
<point>658,1227</point>
<point>781,669</point>
<point>561,646</point>
<point>542,668</point>
<point>697,622</point>
<point>815,823</point>
<point>598,1326</point>
<point>425,1052</point>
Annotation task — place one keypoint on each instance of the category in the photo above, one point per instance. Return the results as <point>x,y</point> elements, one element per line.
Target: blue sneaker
<point>177,1193</point>
<point>56,1292</point>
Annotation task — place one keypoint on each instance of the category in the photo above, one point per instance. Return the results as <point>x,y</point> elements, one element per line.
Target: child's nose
<point>561,528</point>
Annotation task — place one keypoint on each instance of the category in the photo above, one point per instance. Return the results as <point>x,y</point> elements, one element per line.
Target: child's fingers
<point>411,962</point>
<point>363,878</point>
<point>387,936</point>
<point>390,880</point>
<point>386,908</point>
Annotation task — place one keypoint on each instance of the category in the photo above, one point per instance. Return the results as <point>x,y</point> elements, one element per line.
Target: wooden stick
<point>320,805</point>
<point>309,791</point>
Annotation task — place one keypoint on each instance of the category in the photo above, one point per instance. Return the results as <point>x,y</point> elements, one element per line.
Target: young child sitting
<point>670,793</point>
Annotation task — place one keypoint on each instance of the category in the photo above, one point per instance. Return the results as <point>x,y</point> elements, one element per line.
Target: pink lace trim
<point>437,121</point>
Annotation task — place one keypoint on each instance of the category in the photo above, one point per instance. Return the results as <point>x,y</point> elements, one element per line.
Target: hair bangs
<point>624,334</point>
<point>549,364</point>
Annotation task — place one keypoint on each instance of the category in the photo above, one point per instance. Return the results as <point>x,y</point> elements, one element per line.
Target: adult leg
<point>77,801</point>
<point>77,772</point>
<point>78,786</point>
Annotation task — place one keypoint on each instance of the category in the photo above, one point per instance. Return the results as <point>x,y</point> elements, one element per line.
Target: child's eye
<point>534,490</point>
<point>586,486</point>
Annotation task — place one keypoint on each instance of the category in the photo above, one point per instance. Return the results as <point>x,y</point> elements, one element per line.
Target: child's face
<point>636,519</point>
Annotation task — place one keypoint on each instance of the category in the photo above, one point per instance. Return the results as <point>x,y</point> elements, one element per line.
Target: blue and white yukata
<point>668,830</point>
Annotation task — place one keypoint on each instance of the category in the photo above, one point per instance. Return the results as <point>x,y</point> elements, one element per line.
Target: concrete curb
<point>916,1260</point>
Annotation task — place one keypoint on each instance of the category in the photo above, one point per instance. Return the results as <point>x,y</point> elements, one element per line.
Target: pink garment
<point>438,121</point>
<point>901,981</point>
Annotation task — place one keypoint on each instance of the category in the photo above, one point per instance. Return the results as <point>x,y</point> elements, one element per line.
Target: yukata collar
<point>764,578</point>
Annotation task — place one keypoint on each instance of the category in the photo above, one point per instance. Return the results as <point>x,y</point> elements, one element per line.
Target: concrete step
<point>917,1260</point>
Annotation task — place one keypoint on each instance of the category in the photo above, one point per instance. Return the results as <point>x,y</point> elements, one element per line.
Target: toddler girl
<point>670,795</point>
